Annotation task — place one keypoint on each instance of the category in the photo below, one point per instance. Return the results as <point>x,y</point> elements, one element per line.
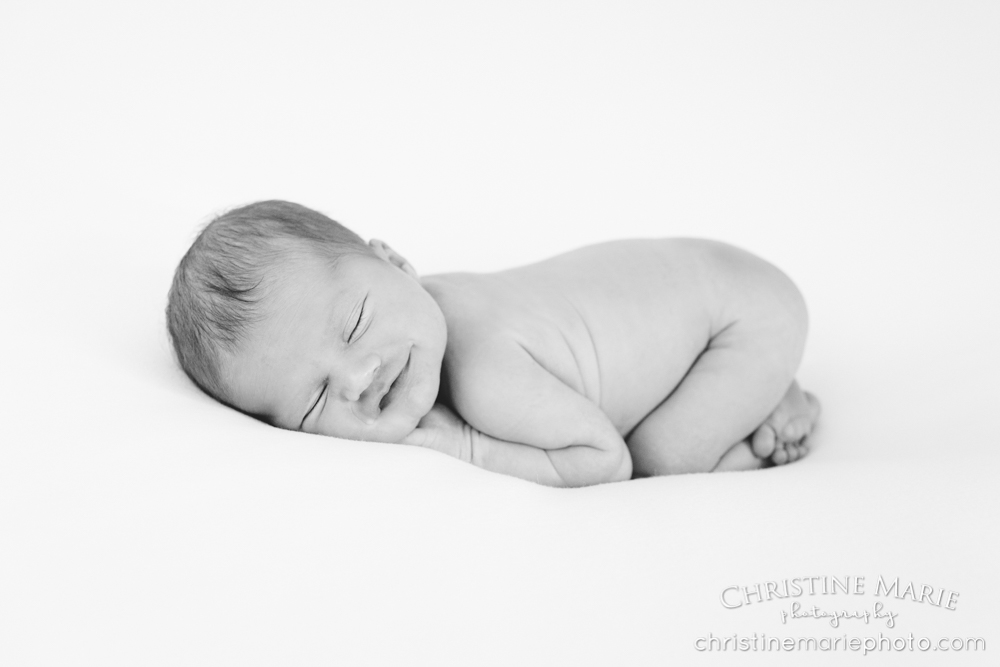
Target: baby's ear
<point>383,251</point>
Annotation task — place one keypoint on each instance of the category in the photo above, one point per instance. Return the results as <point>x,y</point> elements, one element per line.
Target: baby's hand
<point>784,436</point>
<point>443,430</point>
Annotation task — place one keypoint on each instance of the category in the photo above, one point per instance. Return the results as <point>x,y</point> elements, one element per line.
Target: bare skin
<point>629,358</point>
<point>687,348</point>
<point>782,438</point>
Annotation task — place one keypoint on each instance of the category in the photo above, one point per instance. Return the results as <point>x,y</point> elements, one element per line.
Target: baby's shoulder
<point>481,308</point>
<point>500,328</point>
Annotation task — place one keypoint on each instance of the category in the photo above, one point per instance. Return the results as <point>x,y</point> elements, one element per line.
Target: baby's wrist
<point>469,436</point>
<point>472,446</point>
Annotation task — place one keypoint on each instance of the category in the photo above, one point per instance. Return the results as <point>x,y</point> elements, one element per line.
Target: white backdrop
<point>853,144</point>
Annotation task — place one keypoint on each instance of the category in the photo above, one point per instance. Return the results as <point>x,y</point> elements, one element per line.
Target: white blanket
<point>853,145</point>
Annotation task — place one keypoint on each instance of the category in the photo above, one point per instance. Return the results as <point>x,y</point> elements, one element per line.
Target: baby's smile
<point>398,385</point>
<point>352,350</point>
<point>387,386</point>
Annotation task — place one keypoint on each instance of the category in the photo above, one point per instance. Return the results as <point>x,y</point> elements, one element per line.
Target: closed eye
<point>362,316</point>
<point>313,406</point>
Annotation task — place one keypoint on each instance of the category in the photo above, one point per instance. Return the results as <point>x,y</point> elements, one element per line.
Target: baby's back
<point>619,322</point>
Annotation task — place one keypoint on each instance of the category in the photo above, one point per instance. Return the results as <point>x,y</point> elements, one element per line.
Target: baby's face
<point>352,352</point>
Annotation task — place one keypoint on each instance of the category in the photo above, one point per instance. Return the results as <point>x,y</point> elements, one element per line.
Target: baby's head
<point>285,315</point>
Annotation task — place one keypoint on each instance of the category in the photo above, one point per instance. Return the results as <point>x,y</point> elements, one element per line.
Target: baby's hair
<point>220,281</point>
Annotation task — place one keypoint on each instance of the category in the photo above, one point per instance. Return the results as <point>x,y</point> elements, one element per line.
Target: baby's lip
<point>370,407</point>
<point>401,377</point>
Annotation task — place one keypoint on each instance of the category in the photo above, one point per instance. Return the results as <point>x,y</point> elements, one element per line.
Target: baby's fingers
<point>419,437</point>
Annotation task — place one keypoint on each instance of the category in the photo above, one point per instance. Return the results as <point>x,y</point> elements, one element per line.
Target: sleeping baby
<point>624,359</point>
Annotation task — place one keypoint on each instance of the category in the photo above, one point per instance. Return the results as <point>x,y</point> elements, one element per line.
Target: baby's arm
<point>524,422</point>
<point>748,365</point>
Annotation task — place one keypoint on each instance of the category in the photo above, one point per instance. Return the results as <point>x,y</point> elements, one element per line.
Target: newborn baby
<point>619,360</point>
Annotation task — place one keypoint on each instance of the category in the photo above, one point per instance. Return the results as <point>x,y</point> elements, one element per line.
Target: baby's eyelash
<point>361,316</point>
<point>322,392</point>
<point>318,399</point>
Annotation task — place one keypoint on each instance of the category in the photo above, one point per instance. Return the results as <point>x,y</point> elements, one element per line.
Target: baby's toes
<point>781,455</point>
<point>796,429</point>
<point>764,442</point>
<point>794,452</point>
<point>803,447</point>
<point>799,449</point>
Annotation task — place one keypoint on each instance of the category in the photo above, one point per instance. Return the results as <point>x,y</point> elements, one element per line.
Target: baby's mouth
<point>367,410</point>
<point>400,381</point>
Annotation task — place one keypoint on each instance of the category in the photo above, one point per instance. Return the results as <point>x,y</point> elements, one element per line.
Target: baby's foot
<point>784,436</point>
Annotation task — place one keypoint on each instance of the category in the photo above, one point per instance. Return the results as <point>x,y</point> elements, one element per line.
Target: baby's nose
<point>359,377</point>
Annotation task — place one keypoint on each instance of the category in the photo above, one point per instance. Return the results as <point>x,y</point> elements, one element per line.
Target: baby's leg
<point>739,457</point>
<point>783,438</point>
<point>728,393</point>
